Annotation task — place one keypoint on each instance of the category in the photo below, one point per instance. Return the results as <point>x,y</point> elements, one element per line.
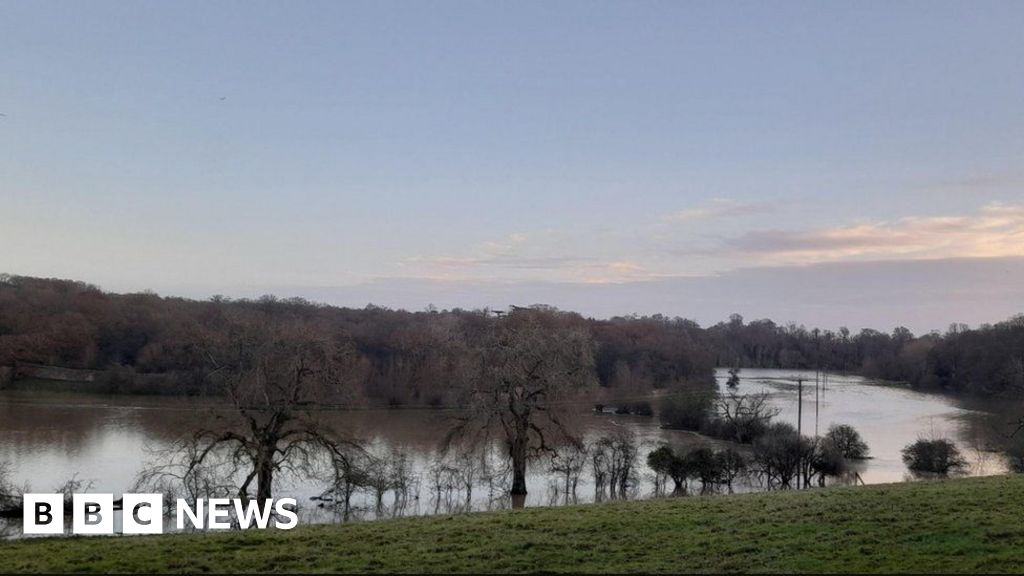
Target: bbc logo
<point>93,514</point>
<point>144,513</point>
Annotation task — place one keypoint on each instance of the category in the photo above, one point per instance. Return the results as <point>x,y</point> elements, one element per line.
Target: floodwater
<point>888,417</point>
<point>49,437</point>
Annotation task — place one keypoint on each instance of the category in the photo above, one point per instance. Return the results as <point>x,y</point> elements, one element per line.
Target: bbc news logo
<point>144,514</point>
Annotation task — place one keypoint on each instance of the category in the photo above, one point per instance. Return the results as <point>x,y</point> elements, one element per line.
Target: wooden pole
<point>816,397</point>
<point>799,426</point>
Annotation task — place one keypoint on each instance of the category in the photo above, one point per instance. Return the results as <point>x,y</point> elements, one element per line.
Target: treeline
<point>152,344</point>
<point>988,360</point>
<point>144,342</point>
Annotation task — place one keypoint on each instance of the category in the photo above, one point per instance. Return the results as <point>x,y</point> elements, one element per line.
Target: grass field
<point>968,525</point>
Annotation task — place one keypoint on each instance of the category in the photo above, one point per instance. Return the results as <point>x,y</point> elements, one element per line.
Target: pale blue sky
<point>361,151</point>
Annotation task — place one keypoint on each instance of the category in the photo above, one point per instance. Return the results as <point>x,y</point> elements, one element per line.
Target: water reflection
<point>50,437</point>
<point>888,417</point>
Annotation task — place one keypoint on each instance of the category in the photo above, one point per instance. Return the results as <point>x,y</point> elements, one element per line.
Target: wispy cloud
<point>516,251</point>
<point>585,256</point>
<point>878,295</point>
<point>719,208</point>
<point>546,256</point>
<point>995,230</point>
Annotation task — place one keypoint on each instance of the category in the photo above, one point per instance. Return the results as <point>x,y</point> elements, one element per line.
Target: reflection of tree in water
<point>171,472</point>
<point>385,485</point>
<point>385,475</point>
<point>992,437</point>
<point>453,476</point>
<point>12,497</point>
<point>376,488</point>
<point>443,482</point>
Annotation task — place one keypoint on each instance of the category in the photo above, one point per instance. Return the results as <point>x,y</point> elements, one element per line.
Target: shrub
<point>686,410</point>
<point>827,459</point>
<point>933,456</point>
<point>734,378</point>
<point>703,466</point>
<point>777,453</point>
<point>661,459</point>
<point>641,409</point>
<point>730,465</point>
<point>663,462</point>
<point>847,441</point>
<point>712,468</point>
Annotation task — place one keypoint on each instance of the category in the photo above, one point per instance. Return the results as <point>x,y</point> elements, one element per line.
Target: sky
<point>825,163</point>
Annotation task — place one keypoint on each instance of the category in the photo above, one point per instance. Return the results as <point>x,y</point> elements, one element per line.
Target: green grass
<point>969,525</point>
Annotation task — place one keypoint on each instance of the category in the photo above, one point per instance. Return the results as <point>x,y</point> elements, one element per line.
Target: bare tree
<point>349,475</point>
<point>444,481</point>
<point>614,458</point>
<point>731,464</point>
<point>600,463</point>
<point>746,416</point>
<point>277,374</point>
<point>568,465</point>
<point>379,479</point>
<point>529,360</point>
<point>404,482</point>
<point>495,472</point>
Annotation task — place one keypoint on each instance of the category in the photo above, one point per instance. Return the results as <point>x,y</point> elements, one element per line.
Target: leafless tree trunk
<point>276,374</point>
<point>530,360</point>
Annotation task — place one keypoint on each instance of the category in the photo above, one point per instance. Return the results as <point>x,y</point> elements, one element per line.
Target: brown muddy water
<point>48,438</point>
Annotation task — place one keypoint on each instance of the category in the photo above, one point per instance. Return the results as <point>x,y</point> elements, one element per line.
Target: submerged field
<point>968,525</point>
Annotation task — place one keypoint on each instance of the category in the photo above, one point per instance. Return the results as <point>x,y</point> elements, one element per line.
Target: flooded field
<point>105,441</point>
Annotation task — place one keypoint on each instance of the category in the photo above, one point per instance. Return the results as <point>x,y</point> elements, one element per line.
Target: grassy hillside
<point>965,525</point>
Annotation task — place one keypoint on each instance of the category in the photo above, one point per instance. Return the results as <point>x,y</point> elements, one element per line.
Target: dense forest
<point>148,343</point>
<point>988,360</point>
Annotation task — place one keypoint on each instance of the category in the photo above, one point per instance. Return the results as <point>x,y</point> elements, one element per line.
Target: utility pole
<point>799,426</point>
<point>816,398</point>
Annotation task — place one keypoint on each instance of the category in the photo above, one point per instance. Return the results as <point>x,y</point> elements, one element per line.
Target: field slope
<point>969,525</point>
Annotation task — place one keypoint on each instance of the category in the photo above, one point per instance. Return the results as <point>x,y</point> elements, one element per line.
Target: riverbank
<point>966,525</point>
